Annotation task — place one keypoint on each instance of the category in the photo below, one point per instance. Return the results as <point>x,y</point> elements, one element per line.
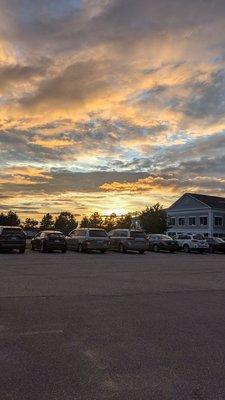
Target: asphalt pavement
<point>112,326</point>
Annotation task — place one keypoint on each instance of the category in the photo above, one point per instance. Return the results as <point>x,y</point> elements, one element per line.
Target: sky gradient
<point>110,106</point>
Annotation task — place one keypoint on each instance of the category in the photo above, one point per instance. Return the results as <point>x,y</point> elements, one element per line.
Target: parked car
<point>123,240</point>
<point>49,240</point>
<point>159,242</point>
<point>216,245</point>
<point>88,239</point>
<point>12,238</point>
<point>191,242</point>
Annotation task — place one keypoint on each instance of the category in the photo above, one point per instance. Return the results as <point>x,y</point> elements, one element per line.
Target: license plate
<point>13,238</point>
<point>57,241</point>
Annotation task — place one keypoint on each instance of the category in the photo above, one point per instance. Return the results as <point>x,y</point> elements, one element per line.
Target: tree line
<point>152,220</point>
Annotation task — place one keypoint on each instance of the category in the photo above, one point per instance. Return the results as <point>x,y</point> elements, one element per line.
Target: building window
<point>204,221</point>
<point>181,221</point>
<point>218,221</point>
<point>172,221</point>
<point>191,221</point>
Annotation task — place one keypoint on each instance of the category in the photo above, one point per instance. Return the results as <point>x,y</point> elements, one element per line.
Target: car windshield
<point>97,233</point>
<point>12,231</point>
<point>165,237</point>
<point>137,234</point>
<point>198,237</point>
<point>219,240</point>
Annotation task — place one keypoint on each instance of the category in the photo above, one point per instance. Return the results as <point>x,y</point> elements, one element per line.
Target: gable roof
<point>210,201</point>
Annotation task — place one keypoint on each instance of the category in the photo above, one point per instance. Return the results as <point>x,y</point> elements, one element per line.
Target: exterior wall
<point>197,228</point>
<point>210,229</point>
<point>216,229</point>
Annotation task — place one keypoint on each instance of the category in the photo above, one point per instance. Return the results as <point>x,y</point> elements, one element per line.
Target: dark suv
<point>12,237</point>
<point>49,240</point>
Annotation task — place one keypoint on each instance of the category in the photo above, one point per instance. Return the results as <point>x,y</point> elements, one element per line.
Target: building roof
<point>210,201</point>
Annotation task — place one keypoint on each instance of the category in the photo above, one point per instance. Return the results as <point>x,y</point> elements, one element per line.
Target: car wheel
<point>156,248</point>
<point>22,251</point>
<point>211,249</point>
<point>186,248</point>
<point>64,250</point>
<point>121,248</point>
<point>32,247</point>
<point>80,248</point>
<point>141,251</point>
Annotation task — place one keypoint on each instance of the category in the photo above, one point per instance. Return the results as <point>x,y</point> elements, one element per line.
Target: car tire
<point>156,248</point>
<point>64,250</point>
<point>172,251</point>
<point>186,248</point>
<point>103,251</point>
<point>80,248</point>
<point>121,248</point>
<point>141,251</point>
<point>22,251</point>
<point>211,250</point>
<point>32,247</point>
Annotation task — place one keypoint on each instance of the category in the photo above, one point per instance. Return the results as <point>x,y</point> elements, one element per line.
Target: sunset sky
<point>110,105</point>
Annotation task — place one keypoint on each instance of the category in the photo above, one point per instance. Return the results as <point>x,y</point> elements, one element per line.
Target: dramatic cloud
<point>110,104</point>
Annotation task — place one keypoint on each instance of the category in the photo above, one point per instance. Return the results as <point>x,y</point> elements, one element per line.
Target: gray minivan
<point>123,240</point>
<point>85,239</point>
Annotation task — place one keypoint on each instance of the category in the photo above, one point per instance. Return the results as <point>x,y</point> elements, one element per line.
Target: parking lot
<point>112,326</point>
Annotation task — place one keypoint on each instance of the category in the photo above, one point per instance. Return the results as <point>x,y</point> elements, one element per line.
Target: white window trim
<point>203,216</point>
<point>192,216</point>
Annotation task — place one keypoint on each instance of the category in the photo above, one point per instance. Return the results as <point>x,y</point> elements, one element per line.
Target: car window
<point>55,235</point>
<point>80,232</point>
<point>198,237</point>
<point>38,235</point>
<point>153,237</point>
<point>97,233</point>
<point>184,237</point>
<point>123,233</point>
<point>114,234</point>
<point>12,231</point>
<point>137,234</point>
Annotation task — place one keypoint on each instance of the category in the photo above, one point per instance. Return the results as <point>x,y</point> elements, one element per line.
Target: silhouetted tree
<point>30,223</point>
<point>153,219</point>
<point>124,222</point>
<point>85,222</point>
<point>10,219</point>
<point>110,222</point>
<point>47,222</point>
<point>65,222</point>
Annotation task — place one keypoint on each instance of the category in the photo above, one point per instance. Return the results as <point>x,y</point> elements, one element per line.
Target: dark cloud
<point>126,91</point>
